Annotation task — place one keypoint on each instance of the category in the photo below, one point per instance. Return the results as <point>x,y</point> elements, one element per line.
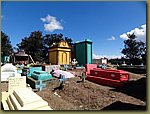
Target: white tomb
<point>16,83</point>
<point>24,99</point>
<point>8,70</point>
<point>19,97</point>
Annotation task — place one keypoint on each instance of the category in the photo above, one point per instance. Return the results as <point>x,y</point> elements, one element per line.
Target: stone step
<point>5,105</point>
<point>11,107</point>
<point>24,99</point>
<point>45,108</point>
<point>35,105</point>
<point>26,96</point>
<point>15,102</point>
<point>4,95</point>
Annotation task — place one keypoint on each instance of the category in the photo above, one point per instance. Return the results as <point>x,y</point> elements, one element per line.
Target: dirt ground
<point>90,96</point>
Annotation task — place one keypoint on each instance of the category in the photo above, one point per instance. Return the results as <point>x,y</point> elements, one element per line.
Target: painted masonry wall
<point>99,61</point>
<point>60,55</point>
<point>104,61</point>
<point>63,57</point>
<point>80,53</point>
<point>83,52</point>
<point>52,57</point>
<point>89,53</point>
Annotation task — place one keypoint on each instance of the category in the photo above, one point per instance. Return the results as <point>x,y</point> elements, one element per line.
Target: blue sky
<point>105,23</point>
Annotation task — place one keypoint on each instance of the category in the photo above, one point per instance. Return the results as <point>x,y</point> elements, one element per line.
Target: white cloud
<point>52,23</point>
<point>95,56</point>
<point>139,32</point>
<point>124,36</point>
<point>77,41</point>
<point>112,38</point>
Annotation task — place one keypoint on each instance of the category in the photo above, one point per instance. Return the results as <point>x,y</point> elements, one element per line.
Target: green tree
<point>144,56</point>
<point>49,39</point>
<point>37,45</point>
<point>69,40</point>
<point>6,47</point>
<point>33,45</point>
<point>133,49</point>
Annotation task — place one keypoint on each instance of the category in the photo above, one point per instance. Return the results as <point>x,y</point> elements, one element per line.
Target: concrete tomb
<point>19,97</point>
<point>49,68</point>
<point>66,74</point>
<point>24,99</point>
<point>8,70</point>
<point>16,83</point>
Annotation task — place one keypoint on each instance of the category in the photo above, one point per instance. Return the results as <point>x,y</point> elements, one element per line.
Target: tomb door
<point>64,58</point>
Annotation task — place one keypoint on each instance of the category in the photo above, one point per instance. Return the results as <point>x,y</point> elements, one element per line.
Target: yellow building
<point>60,53</point>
